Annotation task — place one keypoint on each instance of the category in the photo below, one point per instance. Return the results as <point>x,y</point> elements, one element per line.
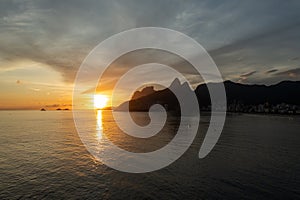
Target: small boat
<point>43,109</point>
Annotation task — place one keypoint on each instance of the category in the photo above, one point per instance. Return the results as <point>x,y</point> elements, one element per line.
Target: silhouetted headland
<point>281,98</point>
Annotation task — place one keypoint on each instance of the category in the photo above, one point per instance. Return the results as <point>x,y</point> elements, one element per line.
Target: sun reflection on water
<point>99,125</point>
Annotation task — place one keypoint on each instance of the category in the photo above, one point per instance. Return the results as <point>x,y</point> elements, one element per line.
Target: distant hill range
<point>286,92</point>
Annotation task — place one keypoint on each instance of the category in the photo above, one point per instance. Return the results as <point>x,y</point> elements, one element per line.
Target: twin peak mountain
<point>287,92</point>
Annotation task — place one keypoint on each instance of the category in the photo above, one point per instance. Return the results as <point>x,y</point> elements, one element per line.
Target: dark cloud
<point>295,58</point>
<point>57,105</point>
<point>292,73</point>
<point>247,74</point>
<point>248,34</point>
<point>271,71</point>
<point>52,105</point>
<point>244,77</point>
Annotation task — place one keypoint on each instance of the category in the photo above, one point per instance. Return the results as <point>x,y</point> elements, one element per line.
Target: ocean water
<point>42,157</point>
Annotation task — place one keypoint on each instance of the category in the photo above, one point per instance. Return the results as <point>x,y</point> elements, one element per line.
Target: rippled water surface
<point>42,156</point>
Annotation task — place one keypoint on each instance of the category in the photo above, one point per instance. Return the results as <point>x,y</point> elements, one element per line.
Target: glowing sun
<point>100,101</point>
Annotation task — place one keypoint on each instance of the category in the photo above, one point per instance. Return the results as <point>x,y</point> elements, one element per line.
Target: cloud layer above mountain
<point>250,41</point>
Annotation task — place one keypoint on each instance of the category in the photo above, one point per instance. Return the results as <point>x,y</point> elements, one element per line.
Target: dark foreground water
<point>42,157</point>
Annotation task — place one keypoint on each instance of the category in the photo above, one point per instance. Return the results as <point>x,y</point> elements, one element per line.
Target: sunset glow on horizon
<point>40,57</point>
<point>100,101</point>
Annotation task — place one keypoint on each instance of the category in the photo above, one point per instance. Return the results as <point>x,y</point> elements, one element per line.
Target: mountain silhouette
<point>164,97</point>
<point>285,92</point>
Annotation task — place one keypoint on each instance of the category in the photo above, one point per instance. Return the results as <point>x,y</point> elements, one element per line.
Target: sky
<point>44,42</point>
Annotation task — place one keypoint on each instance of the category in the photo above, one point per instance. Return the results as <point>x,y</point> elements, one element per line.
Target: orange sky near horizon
<point>31,86</point>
